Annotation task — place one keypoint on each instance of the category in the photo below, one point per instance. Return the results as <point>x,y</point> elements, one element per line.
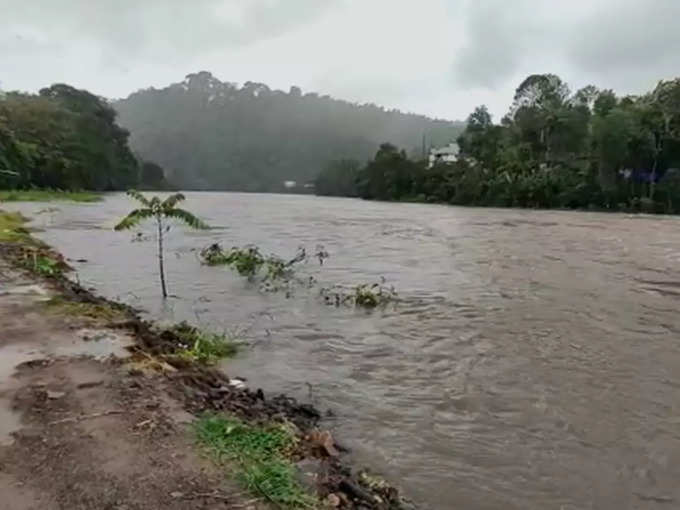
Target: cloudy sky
<point>438,57</point>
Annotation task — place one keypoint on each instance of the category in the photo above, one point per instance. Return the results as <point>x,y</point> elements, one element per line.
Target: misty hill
<point>209,134</point>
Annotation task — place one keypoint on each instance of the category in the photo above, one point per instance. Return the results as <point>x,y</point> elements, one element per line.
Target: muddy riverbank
<point>95,407</point>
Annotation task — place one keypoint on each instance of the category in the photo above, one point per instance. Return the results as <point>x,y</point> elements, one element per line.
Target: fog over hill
<point>210,134</point>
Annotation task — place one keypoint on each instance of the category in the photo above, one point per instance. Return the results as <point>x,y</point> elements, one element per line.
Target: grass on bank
<point>12,227</point>
<point>46,195</point>
<point>260,453</point>
<point>100,312</point>
<point>203,346</point>
<point>35,256</point>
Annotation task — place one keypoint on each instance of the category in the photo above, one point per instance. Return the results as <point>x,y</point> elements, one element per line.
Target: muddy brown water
<point>533,361</point>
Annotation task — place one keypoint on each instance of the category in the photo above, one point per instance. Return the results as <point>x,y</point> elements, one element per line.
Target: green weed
<point>203,346</point>
<point>12,227</point>
<point>260,452</point>
<point>363,295</point>
<point>46,266</point>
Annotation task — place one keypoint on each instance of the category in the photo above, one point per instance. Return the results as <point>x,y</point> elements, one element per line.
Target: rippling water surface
<point>533,362</point>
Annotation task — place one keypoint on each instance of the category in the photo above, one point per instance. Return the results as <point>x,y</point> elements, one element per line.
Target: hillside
<point>209,134</point>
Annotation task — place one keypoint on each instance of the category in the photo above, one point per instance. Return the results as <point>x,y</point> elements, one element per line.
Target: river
<point>532,362</point>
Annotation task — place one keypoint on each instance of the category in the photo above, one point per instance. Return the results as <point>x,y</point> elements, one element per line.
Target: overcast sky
<point>438,57</point>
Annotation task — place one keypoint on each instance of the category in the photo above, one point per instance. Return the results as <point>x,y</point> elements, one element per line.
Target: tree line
<point>65,138</point>
<point>210,134</point>
<point>554,149</point>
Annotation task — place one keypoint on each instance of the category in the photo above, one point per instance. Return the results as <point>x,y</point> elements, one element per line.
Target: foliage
<point>363,295</point>
<point>44,195</point>
<point>248,261</point>
<point>12,227</point>
<point>66,138</point>
<point>47,266</point>
<point>390,176</point>
<point>261,453</point>
<point>554,149</point>
<point>210,134</point>
<point>339,178</point>
<point>159,210</point>
<point>152,177</point>
<point>203,346</point>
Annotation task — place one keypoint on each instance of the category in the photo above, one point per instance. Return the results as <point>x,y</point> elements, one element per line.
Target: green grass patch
<point>46,266</point>
<point>203,346</point>
<point>261,454</point>
<point>12,227</point>
<point>46,195</point>
<point>102,312</point>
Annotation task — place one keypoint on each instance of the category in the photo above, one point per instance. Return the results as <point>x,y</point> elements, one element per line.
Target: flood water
<point>533,361</point>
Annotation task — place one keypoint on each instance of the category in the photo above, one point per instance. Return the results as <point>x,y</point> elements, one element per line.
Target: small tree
<point>159,210</point>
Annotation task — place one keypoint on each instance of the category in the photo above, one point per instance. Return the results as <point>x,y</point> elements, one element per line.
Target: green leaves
<point>154,207</point>
<point>63,139</point>
<point>172,201</point>
<point>134,218</point>
<point>159,209</point>
<point>262,454</point>
<point>139,197</point>
<point>186,217</point>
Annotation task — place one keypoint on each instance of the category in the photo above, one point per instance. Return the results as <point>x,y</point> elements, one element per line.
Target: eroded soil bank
<point>96,410</point>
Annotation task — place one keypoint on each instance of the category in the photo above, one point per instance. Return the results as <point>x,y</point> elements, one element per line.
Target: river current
<point>532,361</point>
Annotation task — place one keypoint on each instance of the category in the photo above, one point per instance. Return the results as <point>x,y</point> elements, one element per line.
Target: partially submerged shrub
<point>203,346</point>
<point>363,295</point>
<point>248,261</point>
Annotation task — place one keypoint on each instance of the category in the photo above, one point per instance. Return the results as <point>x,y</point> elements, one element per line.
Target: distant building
<point>447,154</point>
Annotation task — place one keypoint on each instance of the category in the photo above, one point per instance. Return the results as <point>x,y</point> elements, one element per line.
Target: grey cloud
<point>500,35</point>
<point>131,27</point>
<point>628,41</point>
<point>625,44</point>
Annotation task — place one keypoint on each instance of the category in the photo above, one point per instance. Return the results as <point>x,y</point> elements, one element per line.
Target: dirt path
<point>79,429</point>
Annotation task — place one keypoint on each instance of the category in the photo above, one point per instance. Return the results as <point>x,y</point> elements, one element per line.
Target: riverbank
<point>98,410</point>
<point>46,195</point>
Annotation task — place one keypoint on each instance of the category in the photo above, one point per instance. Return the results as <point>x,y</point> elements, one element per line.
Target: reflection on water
<point>534,362</point>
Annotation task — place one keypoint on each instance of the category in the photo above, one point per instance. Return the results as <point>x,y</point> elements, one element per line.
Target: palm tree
<point>159,210</point>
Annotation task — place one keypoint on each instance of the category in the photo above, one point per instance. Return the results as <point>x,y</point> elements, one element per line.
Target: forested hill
<point>209,134</point>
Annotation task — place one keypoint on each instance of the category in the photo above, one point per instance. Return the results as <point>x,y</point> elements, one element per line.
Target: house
<point>446,154</point>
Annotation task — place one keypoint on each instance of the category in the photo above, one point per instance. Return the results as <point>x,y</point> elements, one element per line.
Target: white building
<point>447,154</point>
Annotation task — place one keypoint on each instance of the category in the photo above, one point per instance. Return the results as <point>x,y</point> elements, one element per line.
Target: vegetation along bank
<point>555,148</point>
<point>99,408</point>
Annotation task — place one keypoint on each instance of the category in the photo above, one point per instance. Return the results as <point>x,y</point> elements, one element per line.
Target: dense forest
<point>554,149</point>
<point>67,138</point>
<point>209,134</point>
